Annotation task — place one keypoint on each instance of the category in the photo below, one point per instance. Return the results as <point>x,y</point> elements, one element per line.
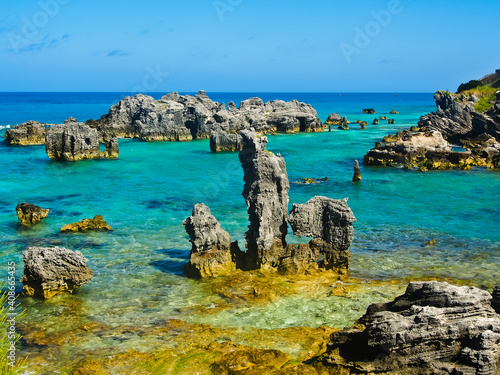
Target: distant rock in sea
<point>333,119</point>
<point>28,133</point>
<point>30,214</point>
<point>369,111</point>
<point>434,328</point>
<point>52,271</point>
<point>428,145</point>
<point>357,172</point>
<point>183,117</point>
<point>74,141</point>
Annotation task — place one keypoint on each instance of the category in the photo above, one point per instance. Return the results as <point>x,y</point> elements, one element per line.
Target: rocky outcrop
<point>369,111</point>
<point>434,328</point>
<point>329,222</point>
<point>30,214</point>
<point>357,172</point>
<point>28,133</point>
<point>333,119</point>
<point>97,223</point>
<point>495,302</point>
<point>266,194</point>
<point>183,117</point>
<point>458,121</point>
<point>74,141</point>
<point>211,245</point>
<point>222,141</point>
<point>429,150</point>
<point>375,121</point>
<point>394,113</point>
<point>51,271</point>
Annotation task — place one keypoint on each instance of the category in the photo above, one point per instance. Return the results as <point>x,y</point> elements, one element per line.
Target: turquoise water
<point>152,187</point>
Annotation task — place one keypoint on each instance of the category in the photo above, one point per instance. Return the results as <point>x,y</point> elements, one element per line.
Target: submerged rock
<point>76,141</point>
<point>434,328</point>
<point>329,222</point>
<point>266,194</point>
<point>30,214</point>
<point>357,172</point>
<point>51,271</point>
<point>28,133</point>
<point>211,250</point>
<point>222,141</point>
<point>97,223</point>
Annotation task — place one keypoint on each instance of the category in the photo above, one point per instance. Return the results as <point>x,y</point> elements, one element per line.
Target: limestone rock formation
<point>28,133</point>
<point>429,150</point>
<point>97,223</point>
<point>357,172</point>
<point>329,222</point>
<point>434,328</point>
<point>74,141</point>
<point>222,141</point>
<point>375,121</point>
<point>394,113</point>
<point>495,302</point>
<point>183,117</point>
<point>266,194</point>
<point>458,121</point>
<point>333,119</point>
<point>369,111</point>
<point>211,251</point>
<point>51,271</point>
<point>30,214</point>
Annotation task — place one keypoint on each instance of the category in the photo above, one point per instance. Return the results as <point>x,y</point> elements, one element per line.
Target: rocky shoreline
<point>457,121</point>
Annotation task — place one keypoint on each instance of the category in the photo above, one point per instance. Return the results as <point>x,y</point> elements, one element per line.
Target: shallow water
<point>152,187</point>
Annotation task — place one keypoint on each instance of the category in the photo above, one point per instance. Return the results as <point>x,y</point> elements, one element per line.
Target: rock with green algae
<point>97,223</point>
<point>211,245</point>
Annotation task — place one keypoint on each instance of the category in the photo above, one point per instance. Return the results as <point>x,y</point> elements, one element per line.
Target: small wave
<point>4,127</point>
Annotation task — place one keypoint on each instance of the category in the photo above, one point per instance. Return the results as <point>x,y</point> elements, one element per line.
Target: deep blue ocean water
<point>152,187</point>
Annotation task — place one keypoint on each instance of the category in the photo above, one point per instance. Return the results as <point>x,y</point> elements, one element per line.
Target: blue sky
<point>244,45</point>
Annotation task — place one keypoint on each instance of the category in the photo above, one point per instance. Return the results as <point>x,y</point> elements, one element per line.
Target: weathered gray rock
<point>51,271</point>
<point>434,328</point>
<point>457,121</point>
<point>495,302</point>
<point>76,141</point>
<point>28,133</point>
<point>333,119</point>
<point>183,117</point>
<point>329,220</point>
<point>30,214</point>
<point>357,172</point>
<point>222,141</point>
<point>211,245</point>
<point>429,150</point>
<point>266,194</point>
